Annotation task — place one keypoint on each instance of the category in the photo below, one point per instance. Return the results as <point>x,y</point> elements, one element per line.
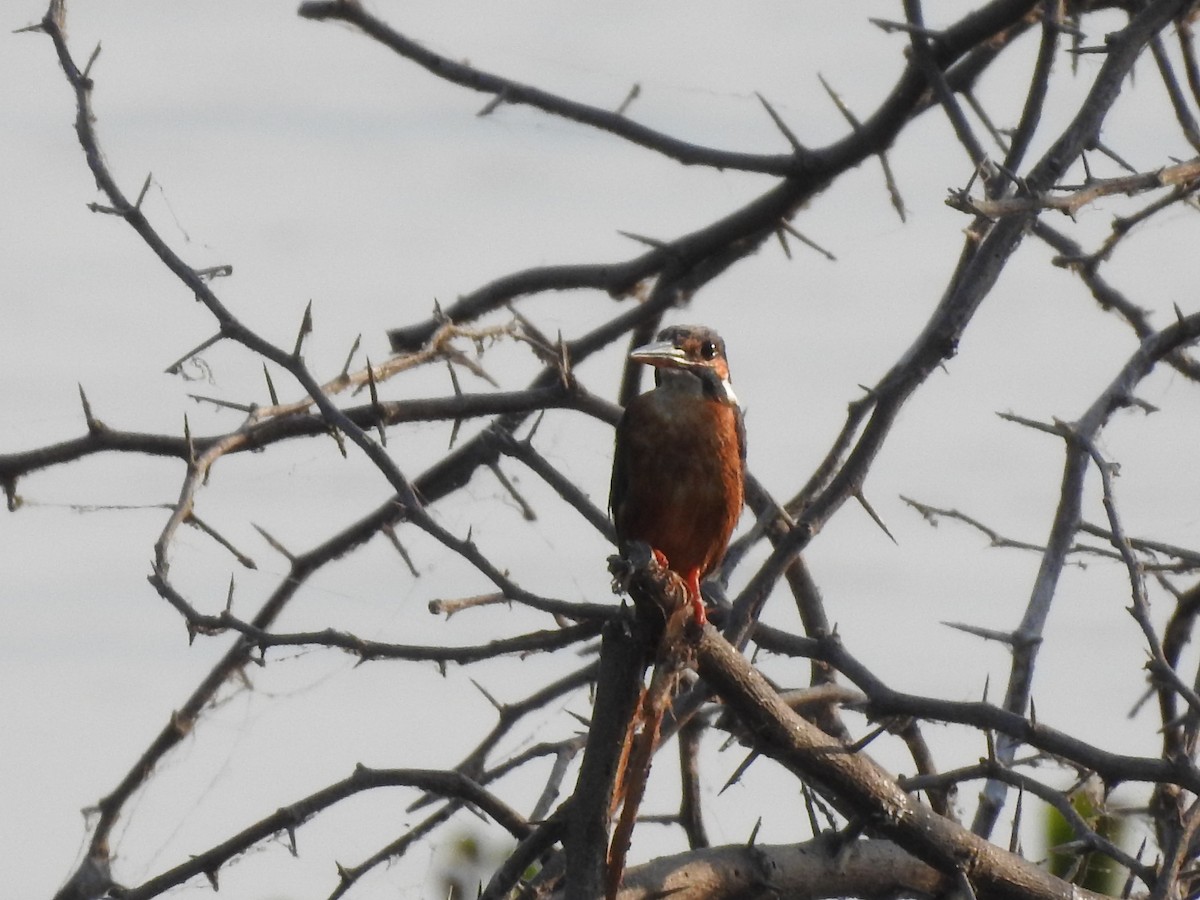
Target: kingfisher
<point>680,457</point>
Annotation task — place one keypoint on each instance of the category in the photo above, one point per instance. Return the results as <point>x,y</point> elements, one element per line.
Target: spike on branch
<point>862,499</point>
<point>376,407</point>
<point>781,236</point>
<point>137,204</point>
<point>780,124</point>
<point>350,356</point>
<point>654,243</point>
<point>270,386</point>
<point>454,429</point>
<point>1014,838</point>
<point>93,424</point>
<point>526,510</point>
<point>87,70</point>
<point>390,532</point>
<point>739,771</point>
<point>496,704</point>
<point>306,326</point>
<point>340,440</point>
<point>790,229</point>
<point>750,841</point>
<point>275,545</point>
<point>176,367</point>
<point>634,93</point>
<point>187,439</point>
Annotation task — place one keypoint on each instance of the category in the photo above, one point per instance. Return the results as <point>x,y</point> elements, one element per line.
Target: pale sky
<point>322,167</point>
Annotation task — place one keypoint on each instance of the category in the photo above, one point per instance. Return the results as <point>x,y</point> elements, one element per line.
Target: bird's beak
<point>660,353</point>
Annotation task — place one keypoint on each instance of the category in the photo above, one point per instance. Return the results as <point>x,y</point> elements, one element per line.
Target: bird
<point>679,458</point>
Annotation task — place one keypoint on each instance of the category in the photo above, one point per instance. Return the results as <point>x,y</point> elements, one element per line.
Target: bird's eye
<point>708,350</point>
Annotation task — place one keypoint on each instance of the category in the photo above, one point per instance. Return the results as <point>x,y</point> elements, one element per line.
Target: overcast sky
<point>324,168</point>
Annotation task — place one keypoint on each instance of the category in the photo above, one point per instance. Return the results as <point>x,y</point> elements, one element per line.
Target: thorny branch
<point>943,65</point>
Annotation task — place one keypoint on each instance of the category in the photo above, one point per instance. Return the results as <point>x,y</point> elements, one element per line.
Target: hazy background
<point>323,167</point>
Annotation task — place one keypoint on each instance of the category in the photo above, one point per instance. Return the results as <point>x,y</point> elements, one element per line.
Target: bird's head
<point>689,356</point>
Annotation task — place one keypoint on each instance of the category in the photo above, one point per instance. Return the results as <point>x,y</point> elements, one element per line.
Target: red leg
<point>660,558</point>
<point>695,598</point>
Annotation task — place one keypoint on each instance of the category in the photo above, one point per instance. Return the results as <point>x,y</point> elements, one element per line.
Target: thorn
<point>275,545</point>
<point>390,531</point>
<point>1032,713</point>
<point>291,833</point>
<point>754,833</point>
<point>861,498</point>
<point>87,69</point>
<point>496,704</point>
<point>739,771</point>
<point>585,721</point>
<point>780,124</point>
<point>564,362</point>
<point>175,367</point>
<point>35,27</point>
<point>1128,889</point>
<point>848,115</point>
<point>866,739</point>
<point>270,386</point>
<point>12,498</point>
<point>987,683</point>
<point>991,745</point>
<point>492,106</point>
<point>1014,839</point>
<point>839,103</point>
<point>371,386</point>
<point>336,434</point>
<point>533,428</point>
<point>229,596</point>
<point>533,334</point>
<point>199,524</point>
<point>211,875</point>
<point>93,424</point>
<point>988,634</point>
<point>526,510</point>
<point>641,239</point>
<point>306,325</point>
<point>811,808</point>
<point>187,438</point>
<point>454,379</point>
<point>149,175</point>
<point>224,404</point>
<point>889,27</point>
<point>457,393</point>
<point>790,229</point>
<point>634,93</point>
<point>350,356</point>
<point>781,236</point>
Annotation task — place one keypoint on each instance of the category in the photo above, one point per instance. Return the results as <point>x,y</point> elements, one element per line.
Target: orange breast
<point>680,474</point>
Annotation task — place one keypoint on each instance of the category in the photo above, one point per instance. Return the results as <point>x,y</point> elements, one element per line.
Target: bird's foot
<point>695,598</point>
